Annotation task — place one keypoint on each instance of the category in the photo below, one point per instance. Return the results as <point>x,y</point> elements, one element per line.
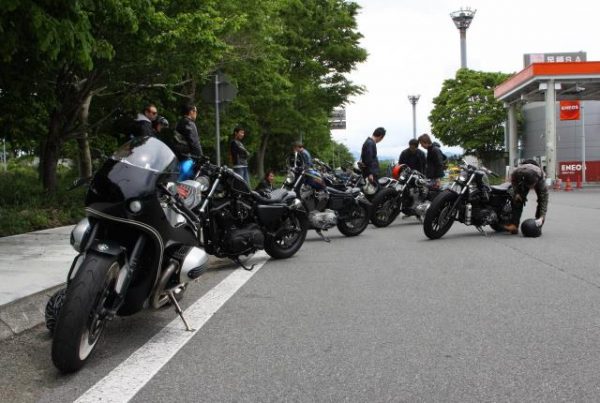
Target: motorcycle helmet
<point>369,188</point>
<point>530,229</point>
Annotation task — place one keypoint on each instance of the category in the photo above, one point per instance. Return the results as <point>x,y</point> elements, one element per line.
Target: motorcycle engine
<point>244,240</point>
<point>483,216</point>
<point>322,220</point>
<point>313,199</point>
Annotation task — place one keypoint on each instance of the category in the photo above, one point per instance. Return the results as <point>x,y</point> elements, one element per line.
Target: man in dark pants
<point>413,157</point>
<point>435,160</point>
<point>368,155</point>
<point>527,176</point>
<point>239,154</point>
<point>187,140</point>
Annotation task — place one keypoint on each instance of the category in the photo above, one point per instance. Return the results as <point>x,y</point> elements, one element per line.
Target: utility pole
<point>217,120</point>
<point>413,99</point>
<point>462,19</point>
<point>4,153</point>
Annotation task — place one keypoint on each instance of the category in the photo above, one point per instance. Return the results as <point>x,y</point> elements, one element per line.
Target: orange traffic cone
<point>557,183</point>
<point>568,185</point>
<point>579,184</point>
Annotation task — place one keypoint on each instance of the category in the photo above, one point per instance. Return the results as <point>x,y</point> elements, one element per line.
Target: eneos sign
<point>569,110</point>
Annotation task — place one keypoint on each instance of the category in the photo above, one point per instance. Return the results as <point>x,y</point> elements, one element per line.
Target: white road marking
<point>123,383</point>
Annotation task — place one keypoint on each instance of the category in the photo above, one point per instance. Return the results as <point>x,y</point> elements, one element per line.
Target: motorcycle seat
<point>348,192</point>
<point>503,188</point>
<point>276,196</point>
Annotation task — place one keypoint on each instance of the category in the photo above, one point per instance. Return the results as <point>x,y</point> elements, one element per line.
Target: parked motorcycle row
<point>146,236</point>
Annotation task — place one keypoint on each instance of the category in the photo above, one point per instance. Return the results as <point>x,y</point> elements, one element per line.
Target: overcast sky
<point>414,46</point>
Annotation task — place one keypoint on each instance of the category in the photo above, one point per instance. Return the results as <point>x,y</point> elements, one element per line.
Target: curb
<point>28,312</point>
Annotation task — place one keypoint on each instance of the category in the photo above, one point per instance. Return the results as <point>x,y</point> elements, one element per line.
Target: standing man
<point>413,157</point>
<point>305,157</point>
<point>435,160</point>
<point>239,154</point>
<point>368,155</point>
<point>142,125</point>
<point>187,140</point>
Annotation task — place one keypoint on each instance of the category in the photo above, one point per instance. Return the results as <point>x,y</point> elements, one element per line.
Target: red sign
<point>572,170</point>
<point>569,110</point>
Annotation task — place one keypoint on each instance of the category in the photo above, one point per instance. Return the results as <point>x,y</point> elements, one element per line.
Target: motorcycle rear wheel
<point>385,208</point>
<point>83,314</point>
<point>289,239</point>
<point>439,216</point>
<point>357,223</point>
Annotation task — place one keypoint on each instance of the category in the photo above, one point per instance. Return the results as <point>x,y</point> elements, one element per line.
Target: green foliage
<point>466,114</point>
<point>24,206</point>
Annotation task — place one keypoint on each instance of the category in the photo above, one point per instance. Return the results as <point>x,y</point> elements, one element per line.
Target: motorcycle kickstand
<point>179,311</point>
<point>323,236</point>
<point>481,230</point>
<point>237,260</point>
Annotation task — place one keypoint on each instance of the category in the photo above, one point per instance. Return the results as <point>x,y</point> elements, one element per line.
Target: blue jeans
<point>243,172</point>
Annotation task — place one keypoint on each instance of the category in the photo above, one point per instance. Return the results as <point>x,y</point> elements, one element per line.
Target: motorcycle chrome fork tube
<point>127,272</point>
<point>210,194</point>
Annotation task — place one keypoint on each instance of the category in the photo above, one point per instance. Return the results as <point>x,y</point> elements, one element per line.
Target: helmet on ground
<point>530,229</point>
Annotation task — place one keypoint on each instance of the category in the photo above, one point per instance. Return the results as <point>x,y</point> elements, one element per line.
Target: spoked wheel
<point>385,208</point>
<point>289,238</point>
<point>356,222</point>
<point>84,312</point>
<point>440,215</point>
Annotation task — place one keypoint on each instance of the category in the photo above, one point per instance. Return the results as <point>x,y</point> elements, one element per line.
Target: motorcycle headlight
<point>461,179</point>
<point>290,178</point>
<point>135,206</point>
<point>204,183</point>
<point>80,234</point>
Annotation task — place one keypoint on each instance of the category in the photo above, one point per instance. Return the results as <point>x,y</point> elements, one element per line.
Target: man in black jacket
<point>239,154</point>
<point>413,157</point>
<point>142,125</point>
<point>368,155</point>
<point>187,140</point>
<point>435,160</point>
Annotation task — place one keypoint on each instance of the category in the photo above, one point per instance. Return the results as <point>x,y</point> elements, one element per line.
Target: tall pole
<point>462,19</point>
<point>413,99</point>
<point>217,123</point>
<point>582,143</point>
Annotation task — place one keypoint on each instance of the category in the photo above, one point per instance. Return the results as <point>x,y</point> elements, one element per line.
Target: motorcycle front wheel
<point>385,208</point>
<point>290,237</point>
<point>356,222</point>
<point>83,314</point>
<point>440,216</point>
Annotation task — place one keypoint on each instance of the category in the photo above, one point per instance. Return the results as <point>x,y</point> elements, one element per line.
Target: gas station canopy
<point>549,83</point>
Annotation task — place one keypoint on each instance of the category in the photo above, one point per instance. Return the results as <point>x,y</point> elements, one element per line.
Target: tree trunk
<point>262,150</point>
<point>85,157</point>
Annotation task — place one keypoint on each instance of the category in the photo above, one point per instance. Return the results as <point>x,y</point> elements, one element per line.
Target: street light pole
<point>413,99</point>
<point>462,19</point>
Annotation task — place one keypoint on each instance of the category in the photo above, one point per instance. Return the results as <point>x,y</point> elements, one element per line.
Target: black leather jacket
<point>187,140</point>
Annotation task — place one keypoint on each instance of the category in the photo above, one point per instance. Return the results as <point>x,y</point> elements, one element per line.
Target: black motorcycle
<point>470,200</point>
<point>326,206</point>
<point>143,238</point>
<point>408,192</point>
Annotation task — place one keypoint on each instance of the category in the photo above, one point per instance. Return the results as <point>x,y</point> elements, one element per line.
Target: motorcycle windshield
<point>147,153</point>
<point>132,172</point>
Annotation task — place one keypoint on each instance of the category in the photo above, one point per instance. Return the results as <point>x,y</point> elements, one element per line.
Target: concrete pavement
<point>32,267</point>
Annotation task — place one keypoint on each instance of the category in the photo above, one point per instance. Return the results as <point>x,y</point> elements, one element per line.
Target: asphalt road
<point>386,316</point>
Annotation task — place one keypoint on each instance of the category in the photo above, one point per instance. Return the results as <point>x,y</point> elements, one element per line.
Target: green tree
<point>466,114</point>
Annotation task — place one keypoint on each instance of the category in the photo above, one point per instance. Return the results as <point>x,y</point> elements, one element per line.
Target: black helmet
<point>530,229</point>
<point>162,121</point>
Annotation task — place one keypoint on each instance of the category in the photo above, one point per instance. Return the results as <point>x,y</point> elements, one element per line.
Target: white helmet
<point>369,188</point>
